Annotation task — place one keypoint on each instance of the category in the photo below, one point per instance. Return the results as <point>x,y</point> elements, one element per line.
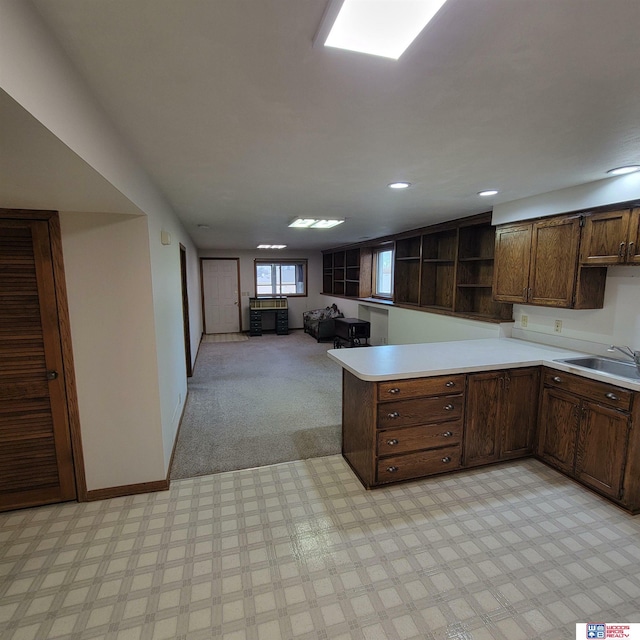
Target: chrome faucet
<point>629,353</point>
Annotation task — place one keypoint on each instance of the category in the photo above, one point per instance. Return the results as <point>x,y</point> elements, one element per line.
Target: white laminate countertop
<point>399,362</point>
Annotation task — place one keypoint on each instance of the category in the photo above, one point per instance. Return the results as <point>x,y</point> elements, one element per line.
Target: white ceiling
<point>244,125</point>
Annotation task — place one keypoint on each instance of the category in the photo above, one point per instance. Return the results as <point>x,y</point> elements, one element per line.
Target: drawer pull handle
<point>446,459</point>
<point>392,443</point>
<point>450,384</point>
<point>611,396</point>
<point>448,407</point>
<point>394,390</point>
<point>394,415</point>
<point>557,379</point>
<point>392,469</point>
<point>447,434</point>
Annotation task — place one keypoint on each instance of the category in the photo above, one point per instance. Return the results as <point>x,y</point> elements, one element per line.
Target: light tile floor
<point>300,550</point>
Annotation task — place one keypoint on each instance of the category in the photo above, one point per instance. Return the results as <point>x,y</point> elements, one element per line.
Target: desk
<point>276,306</point>
<point>351,331</point>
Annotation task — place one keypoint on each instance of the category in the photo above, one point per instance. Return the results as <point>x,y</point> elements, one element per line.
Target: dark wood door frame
<point>61,304</point>
<point>185,310</point>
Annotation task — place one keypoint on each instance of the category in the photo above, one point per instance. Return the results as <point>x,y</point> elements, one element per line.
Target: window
<point>281,278</point>
<point>383,273</point>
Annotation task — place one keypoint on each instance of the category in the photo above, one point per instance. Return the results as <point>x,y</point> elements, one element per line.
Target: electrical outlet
<point>558,326</point>
<point>524,320</point>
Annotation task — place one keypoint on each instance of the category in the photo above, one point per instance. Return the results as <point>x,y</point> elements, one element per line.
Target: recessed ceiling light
<point>620,171</point>
<point>271,246</point>
<point>399,185</point>
<point>204,226</point>
<point>488,192</point>
<point>381,28</point>
<point>315,223</point>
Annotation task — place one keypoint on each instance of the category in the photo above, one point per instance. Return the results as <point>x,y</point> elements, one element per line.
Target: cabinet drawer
<point>407,413</point>
<point>415,465</point>
<point>416,387</point>
<point>395,441</point>
<point>599,392</point>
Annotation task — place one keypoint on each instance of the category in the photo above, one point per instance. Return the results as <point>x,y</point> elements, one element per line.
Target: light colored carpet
<point>269,399</point>
<point>225,337</point>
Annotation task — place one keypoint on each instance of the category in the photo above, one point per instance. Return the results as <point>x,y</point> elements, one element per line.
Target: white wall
<point>394,325</point>
<point>113,338</point>
<point>37,75</point>
<point>247,280</point>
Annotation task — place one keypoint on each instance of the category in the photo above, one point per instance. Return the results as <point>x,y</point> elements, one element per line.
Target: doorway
<point>221,295</point>
<point>40,452</point>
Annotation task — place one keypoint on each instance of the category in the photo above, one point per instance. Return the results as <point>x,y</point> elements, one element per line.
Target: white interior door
<point>220,296</point>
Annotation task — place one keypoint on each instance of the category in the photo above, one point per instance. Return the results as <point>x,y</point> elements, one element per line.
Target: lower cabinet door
<point>520,412</point>
<point>602,448</point>
<point>421,463</point>
<point>559,429</point>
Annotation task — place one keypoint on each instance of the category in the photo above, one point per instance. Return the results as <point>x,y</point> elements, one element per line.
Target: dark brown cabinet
<point>611,237</point>
<point>537,263</point>
<point>585,429</point>
<point>347,272</point>
<point>501,415</point>
<point>402,429</point>
<point>448,268</point>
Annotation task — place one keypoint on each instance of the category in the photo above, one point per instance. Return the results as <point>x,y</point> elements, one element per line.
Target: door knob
<point>52,375</point>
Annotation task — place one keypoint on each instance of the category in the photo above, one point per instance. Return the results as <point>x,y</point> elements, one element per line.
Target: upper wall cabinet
<point>449,269</point>
<point>347,273</point>
<point>537,263</point>
<point>611,237</point>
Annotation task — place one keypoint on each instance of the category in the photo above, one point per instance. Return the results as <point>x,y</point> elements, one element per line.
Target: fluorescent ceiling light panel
<point>314,223</point>
<point>380,27</point>
<point>326,224</point>
<point>303,223</point>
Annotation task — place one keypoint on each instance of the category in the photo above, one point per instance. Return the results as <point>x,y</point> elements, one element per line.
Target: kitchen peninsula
<point>410,411</point>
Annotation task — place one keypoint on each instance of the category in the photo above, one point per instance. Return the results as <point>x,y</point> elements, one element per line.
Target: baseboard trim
<point>175,440</point>
<point>127,490</point>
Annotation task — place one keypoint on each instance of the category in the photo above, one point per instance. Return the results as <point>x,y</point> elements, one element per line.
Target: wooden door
<point>483,416</point>
<point>36,462</point>
<point>511,263</point>
<point>602,448</point>
<point>520,411</point>
<point>633,246</point>
<point>559,429</point>
<point>221,295</point>
<point>604,237</point>
<point>554,261</point>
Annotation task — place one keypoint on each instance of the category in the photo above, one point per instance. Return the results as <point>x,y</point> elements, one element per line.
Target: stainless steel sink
<point>605,365</point>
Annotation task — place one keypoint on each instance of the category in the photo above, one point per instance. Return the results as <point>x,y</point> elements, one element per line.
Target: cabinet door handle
<point>392,469</point>
<point>557,379</point>
<point>450,384</point>
<point>630,249</point>
<point>394,415</point>
<point>524,294</point>
<point>446,459</point>
<point>447,434</point>
<point>611,396</point>
<point>394,390</point>
<point>448,407</point>
<point>529,294</point>
<point>621,251</point>
<point>392,443</point>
